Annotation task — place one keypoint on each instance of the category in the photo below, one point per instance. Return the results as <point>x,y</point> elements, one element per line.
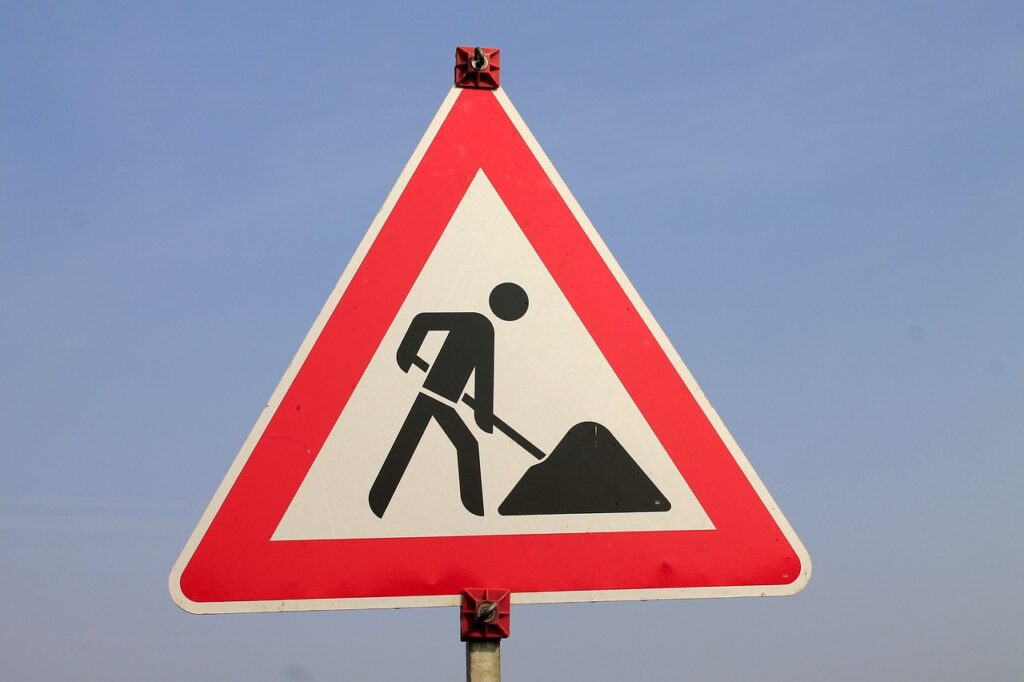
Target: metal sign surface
<point>485,400</point>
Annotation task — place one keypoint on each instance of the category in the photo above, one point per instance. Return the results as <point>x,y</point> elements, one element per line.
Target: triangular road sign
<point>485,400</point>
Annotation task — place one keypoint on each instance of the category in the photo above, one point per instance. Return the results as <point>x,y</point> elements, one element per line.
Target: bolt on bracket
<point>485,613</point>
<point>477,67</point>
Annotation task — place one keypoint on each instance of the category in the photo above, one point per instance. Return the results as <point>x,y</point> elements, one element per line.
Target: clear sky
<point>822,205</point>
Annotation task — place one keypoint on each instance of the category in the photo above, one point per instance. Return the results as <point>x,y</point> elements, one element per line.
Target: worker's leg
<point>397,461</point>
<point>468,453</point>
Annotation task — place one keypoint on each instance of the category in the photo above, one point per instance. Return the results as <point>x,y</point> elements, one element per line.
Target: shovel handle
<point>514,435</point>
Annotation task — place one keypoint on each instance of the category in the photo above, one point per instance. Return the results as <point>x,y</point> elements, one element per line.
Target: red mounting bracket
<point>485,613</point>
<point>477,67</point>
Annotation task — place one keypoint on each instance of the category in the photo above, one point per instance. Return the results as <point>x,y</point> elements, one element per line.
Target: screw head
<point>479,61</point>
<point>486,611</point>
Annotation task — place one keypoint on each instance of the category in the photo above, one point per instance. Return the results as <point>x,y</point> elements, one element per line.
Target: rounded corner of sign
<point>805,572</point>
<point>178,594</point>
<point>789,589</point>
<point>183,602</point>
<point>803,576</point>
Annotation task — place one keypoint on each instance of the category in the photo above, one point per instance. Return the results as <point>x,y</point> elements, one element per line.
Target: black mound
<point>588,473</point>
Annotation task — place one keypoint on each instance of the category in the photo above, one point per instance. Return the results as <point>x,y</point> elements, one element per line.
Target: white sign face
<point>485,401</point>
<point>548,375</point>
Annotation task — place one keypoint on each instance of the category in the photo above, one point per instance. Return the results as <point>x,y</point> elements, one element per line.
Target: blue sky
<point>823,205</point>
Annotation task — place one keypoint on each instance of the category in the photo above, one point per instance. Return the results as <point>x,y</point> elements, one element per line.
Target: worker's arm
<point>483,408</point>
<point>421,324</point>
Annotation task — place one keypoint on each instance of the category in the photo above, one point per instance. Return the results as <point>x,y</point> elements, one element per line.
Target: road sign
<point>485,400</point>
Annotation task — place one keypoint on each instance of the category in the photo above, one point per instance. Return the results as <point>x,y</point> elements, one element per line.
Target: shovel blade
<point>589,472</point>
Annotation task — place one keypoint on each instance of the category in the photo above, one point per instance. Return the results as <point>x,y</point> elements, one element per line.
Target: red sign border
<point>232,564</point>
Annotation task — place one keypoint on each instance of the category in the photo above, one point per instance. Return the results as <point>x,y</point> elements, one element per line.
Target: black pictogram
<point>588,471</point>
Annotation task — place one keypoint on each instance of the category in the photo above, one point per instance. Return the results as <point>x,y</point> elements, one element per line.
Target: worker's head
<point>509,301</point>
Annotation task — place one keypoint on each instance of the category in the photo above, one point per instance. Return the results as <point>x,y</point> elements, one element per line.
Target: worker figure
<point>467,350</point>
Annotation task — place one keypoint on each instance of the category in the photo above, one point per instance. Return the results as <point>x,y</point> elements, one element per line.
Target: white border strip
<point>519,597</point>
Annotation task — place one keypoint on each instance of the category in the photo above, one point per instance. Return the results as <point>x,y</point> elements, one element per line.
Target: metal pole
<point>483,660</point>
<point>484,616</point>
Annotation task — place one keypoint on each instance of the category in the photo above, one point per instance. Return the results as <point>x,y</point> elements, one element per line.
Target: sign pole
<point>485,620</point>
<point>483,660</point>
